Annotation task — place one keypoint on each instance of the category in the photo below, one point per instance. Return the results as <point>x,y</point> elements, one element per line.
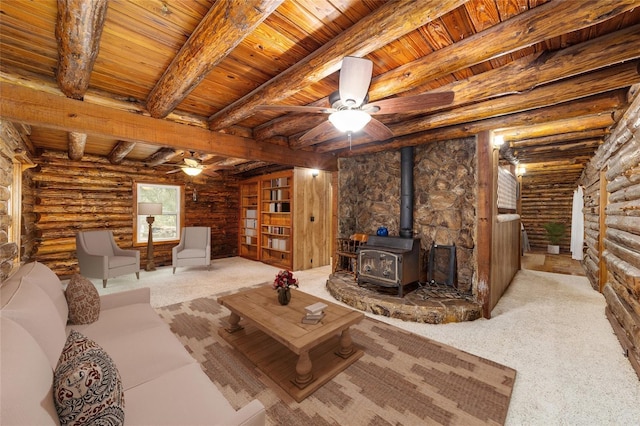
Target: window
<point>507,190</point>
<point>167,226</point>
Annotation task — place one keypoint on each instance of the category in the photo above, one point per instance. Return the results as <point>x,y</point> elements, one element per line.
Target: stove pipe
<point>406,192</point>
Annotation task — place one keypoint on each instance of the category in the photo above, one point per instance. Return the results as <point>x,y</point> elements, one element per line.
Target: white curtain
<point>577,225</point>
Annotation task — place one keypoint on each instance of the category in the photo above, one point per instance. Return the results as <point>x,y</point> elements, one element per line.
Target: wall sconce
<point>149,210</point>
<point>520,169</point>
<point>315,173</point>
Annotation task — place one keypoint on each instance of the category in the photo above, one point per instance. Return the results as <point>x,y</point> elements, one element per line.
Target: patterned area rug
<point>402,379</point>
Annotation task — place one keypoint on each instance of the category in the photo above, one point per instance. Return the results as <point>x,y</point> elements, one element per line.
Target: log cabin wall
<point>14,159</point>
<point>591,256</point>
<point>444,199</point>
<point>619,160</point>
<point>543,202</point>
<point>92,194</point>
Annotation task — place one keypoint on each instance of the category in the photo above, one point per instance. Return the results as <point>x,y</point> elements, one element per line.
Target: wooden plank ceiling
<point>150,80</point>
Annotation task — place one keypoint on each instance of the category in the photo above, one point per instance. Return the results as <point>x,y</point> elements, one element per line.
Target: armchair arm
<point>92,265</point>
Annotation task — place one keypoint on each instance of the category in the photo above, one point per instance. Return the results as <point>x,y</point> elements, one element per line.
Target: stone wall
<point>445,190</point>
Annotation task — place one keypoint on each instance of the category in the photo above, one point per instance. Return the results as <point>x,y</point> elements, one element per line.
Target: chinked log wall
<point>72,196</point>
<point>543,202</point>
<point>619,158</point>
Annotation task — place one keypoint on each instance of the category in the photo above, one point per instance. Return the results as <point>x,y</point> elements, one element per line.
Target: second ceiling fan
<point>350,110</point>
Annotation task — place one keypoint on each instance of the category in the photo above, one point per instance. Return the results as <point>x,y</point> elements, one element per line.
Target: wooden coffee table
<point>299,357</point>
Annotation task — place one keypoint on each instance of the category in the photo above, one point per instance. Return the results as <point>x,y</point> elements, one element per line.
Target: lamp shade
<point>149,209</point>
<point>349,120</point>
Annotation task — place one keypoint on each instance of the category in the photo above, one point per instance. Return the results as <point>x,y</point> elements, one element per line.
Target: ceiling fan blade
<point>378,130</point>
<point>174,171</point>
<point>321,129</point>
<point>355,77</point>
<point>191,162</point>
<point>296,108</point>
<point>415,103</point>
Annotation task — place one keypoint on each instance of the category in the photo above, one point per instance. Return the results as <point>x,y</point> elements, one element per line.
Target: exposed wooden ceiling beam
<point>556,93</point>
<point>25,105</point>
<point>76,144</point>
<point>516,77</point>
<point>78,30</point>
<point>161,156</point>
<point>220,31</point>
<point>397,18</point>
<point>120,151</point>
<point>599,122</point>
<point>561,92</point>
<point>589,113</point>
<point>526,29</point>
<point>43,84</point>
<point>559,138</point>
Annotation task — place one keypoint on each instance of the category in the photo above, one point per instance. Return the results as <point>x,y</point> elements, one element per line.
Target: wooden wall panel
<point>312,238</point>
<point>505,258</point>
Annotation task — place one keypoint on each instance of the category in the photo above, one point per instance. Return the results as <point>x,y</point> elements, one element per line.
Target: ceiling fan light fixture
<point>192,171</point>
<point>349,120</point>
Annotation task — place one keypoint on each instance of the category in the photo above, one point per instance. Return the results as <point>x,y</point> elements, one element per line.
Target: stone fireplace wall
<point>445,188</point>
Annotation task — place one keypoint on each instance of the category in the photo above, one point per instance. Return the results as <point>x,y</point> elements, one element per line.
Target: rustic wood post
<point>486,165</point>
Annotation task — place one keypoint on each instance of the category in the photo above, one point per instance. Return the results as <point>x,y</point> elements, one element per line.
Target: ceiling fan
<point>350,110</point>
<point>192,166</point>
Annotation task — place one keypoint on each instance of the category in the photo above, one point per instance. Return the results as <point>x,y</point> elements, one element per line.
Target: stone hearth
<point>422,305</point>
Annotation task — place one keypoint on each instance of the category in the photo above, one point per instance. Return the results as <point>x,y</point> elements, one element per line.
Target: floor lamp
<point>149,210</point>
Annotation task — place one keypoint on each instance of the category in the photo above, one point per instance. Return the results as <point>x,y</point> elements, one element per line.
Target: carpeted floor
<point>402,378</point>
<point>549,327</point>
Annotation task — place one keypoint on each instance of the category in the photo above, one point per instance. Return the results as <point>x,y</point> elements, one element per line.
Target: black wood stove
<point>389,262</point>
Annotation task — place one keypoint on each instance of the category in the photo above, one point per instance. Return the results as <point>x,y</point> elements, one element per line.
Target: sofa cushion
<point>183,396</point>
<point>143,355</point>
<point>112,323</point>
<point>191,253</point>
<point>44,278</point>
<point>32,309</point>
<point>119,261</point>
<point>26,395</point>
<point>86,384</point>
<point>83,300</point>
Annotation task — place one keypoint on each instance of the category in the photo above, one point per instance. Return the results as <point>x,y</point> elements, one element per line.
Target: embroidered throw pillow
<point>83,300</point>
<point>87,388</point>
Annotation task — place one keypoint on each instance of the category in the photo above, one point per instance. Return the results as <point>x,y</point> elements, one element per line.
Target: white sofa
<point>162,383</point>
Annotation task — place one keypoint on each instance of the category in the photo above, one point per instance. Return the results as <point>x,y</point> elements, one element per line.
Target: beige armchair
<point>194,247</point>
<point>100,257</point>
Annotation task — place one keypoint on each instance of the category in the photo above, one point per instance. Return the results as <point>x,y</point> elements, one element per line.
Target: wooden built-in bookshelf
<point>285,219</point>
<point>249,232</point>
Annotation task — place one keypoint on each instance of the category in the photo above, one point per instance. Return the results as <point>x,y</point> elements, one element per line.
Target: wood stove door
<point>379,267</point>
